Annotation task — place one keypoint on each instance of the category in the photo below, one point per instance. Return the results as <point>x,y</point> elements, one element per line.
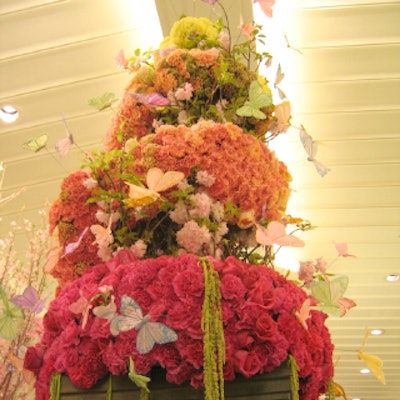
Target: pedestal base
<point>275,385</point>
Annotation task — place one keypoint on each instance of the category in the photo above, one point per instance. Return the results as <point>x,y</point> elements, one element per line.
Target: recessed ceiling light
<point>8,114</point>
<point>376,332</point>
<point>365,371</point>
<point>355,398</point>
<point>392,277</point>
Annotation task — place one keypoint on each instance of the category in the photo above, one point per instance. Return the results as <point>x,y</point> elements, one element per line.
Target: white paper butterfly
<point>157,181</point>
<point>311,147</point>
<point>149,333</point>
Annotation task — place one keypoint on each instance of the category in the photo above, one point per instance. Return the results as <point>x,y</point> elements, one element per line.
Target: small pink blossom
<point>202,205</point>
<point>192,237</point>
<point>204,178</point>
<point>306,272</point>
<point>184,93</point>
<point>138,248</point>
<point>180,213</point>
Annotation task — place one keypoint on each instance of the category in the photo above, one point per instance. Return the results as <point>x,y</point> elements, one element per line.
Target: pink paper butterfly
<point>304,313</point>
<point>81,306</point>
<point>149,333</point>
<point>275,233</point>
<point>153,99</point>
<point>64,144</point>
<point>121,59</point>
<point>29,300</point>
<point>70,247</point>
<point>266,6</point>
<point>342,249</point>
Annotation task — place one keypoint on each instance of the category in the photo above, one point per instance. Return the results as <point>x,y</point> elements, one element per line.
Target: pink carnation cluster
<point>258,314</point>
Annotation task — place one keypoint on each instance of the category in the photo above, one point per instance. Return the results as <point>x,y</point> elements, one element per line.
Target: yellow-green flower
<point>189,31</point>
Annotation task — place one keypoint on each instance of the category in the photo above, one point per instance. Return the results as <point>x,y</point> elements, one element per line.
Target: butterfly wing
<point>71,247</point>
<point>321,168</point>
<point>152,99</point>
<point>131,316</point>
<point>374,364</point>
<point>258,98</point>
<point>275,234</point>
<point>36,144</point>
<point>328,293</point>
<point>266,6</point>
<point>151,333</point>
<point>310,145</point>
<point>29,300</point>
<point>8,319</point>
<point>304,313</point>
<point>140,196</point>
<point>108,312</point>
<point>102,102</point>
<point>159,182</point>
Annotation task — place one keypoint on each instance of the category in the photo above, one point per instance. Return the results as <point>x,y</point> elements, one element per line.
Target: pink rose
<point>247,362</point>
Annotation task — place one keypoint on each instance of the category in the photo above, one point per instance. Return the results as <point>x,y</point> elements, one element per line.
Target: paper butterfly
<point>275,233</point>
<point>311,147</point>
<point>64,144</point>
<point>9,318</point>
<point>140,381</point>
<point>71,247</point>
<point>258,98</point>
<point>81,306</point>
<point>282,114</point>
<point>29,300</point>
<point>342,249</point>
<point>104,237</point>
<point>153,99</point>
<point>102,102</point>
<point>36,144</point>
<point>157,181</point>
<point>149,333</point>
<point>278,79</point>
<point>373,362</point>
<point>17,361</point>
<point>121,60</point>
<point>329,295</point>
<point>55,252</point>
<point>304,313</point>
<point>266,6</point>
<point>247,29</point>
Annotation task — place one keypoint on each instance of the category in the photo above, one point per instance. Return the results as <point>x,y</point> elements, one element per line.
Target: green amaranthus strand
<point>213,339</point>
<point>55,387</point>
<point>294,378</point>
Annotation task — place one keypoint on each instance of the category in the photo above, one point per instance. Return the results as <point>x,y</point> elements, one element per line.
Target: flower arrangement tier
<point>197,189</point>
<point>108,316</point>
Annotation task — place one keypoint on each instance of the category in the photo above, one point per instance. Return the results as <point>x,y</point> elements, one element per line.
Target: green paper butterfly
<point>10,314</point>
<point>329,293</point>
<point>102,102</point>
<point>36,144</point>
<point>258,98</point>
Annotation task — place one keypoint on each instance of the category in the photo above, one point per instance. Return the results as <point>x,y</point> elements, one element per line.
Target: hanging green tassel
<point>55,387</point>
<point>294,377</point>
<point>110,387</point>
<point>213,339</point>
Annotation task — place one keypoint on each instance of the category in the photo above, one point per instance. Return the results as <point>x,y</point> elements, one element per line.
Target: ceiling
<point>343,80</point>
